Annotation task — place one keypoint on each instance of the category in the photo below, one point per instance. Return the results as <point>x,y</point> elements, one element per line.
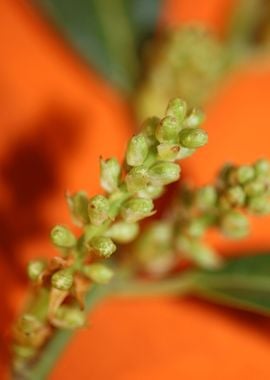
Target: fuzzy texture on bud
<point>177,108</point>
<point>78,206</point>
<point>136,209</point>
<point>103,245</point>
<point>235,225</point>
<point>168,130</point>
<point>62,280</point>
<point>163,173</point>
<point>98,209</point>
<point>245,173</point>
<point>62,237</point>
<point>137,179</point>
<point>137,150</point>
<point>35,268</point>
<point>194,119</point>
<point>110,171</point>
<point>193,138</point>
<point>123,232</point>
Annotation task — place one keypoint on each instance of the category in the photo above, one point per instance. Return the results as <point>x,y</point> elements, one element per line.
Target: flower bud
<point>195,119</point>
<point>152,192</point>
<point>68,317</point>
<point>177,108</point>
<point>110,171</point>
<point>62,280</point>
<point>168,130</point>
<point>235,225</point>
<point>62,237</point>
<point>78,204</point>
<point>29,324</point>
<point>259,204</point>
<point>149,130</point>
<point>184,153</point>
<point>168,151</point>
<point>103,245</point>
<point>35,268</point>
<point>254,188</point>
<point>262,167</point>
<point>163,173</point>
<point>193,138</point>
<point>245,173</point>
<point>123,232</point>
<point>136,209</point>
<point>206,197</point>
<point>236,196</point>
<point>98,209</point>
<point>137,179</point>
<point>98,273</point>
<point>137,150</point>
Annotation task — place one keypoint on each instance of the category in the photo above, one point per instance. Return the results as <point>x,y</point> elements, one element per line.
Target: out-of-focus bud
<point>68,317</point>
<point>194,119</point>
<point>62,237</point>
<point>163,173</point>
<point>168,130</point>
<point>206,197</point>
<point>177,108</point>
<point>137,179</point>
<point>35,268</point>
<point>149,130</point>
<point>236,196</point>
<point>259,204</point>
<point>262,167</point>
<point>152,192</point>
<point>254,188</point>
<point>168,151</point>
<point>110,171</point>
<point>193,138</point>
<point>103,245</point>
<point>78,206</point>
<point>123,232</point>
<point>235,225</point>
<point>136,209</point>
<point>98,273</point>
<point>62,280</point>
<point>245,173</point>
<point>29,324</point>
<point>98,209</point>
<point>137,150</point>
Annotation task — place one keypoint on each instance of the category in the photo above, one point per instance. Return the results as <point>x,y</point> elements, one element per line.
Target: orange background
<point>57,117</point>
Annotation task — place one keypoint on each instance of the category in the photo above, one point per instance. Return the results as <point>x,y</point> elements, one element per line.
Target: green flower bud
<point>259,204</point>
<point>168,130</point>
<point>184,153</point>
<point>70,317</point>
<point>152,192</point>
<point>177,108</point>
<point>245,173</point>
<point>149,130</point>
<point>262,167</point>
<point>137,179</point>
<point>103,245</point>
<point>29,324</point>
<point>193,138</point>
<point>254,188</point>
<point>236,196</point>
<point>110,171</point>
<point>62,280</point>
<point>136,209</point>
<point>168,151</point>
<point>163,173</point>
<point>24,352</point>
<point>98,273</point>
<point>35,268</point>
<point>137,150</point>
<point>62,237</point>
<point>206,197</point>
<point>235,225</point>
<point>123,232</point>
<point>227,175</point>
<point>195,119</point>
<point>196,227</point>
<point>98,209</point>
<point>78,206</point>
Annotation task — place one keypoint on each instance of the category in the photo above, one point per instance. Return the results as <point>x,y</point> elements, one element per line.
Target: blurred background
<point>76,79</point>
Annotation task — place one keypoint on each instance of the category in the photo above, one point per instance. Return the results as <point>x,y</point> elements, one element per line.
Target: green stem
<point>178,285</point>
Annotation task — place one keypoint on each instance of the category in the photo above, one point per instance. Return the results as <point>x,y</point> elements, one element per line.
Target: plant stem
<point>178,285</point>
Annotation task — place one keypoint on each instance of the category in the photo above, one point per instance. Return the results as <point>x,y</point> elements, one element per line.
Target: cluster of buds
<point>186,62</point>
<point>226,205</point>
<point>107,220</point>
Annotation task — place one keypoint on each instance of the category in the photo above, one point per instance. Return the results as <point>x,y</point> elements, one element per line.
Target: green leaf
<point>108,34</point>
<point>243,282</point>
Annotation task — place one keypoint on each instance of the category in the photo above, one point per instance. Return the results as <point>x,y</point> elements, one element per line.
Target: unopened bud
<point>245,173</point>
<point>149,130</point>
<point>152,192</point>
<point>98,209</point>
<point>136,209</point>
<point>163,173</point>
<point>78,204</point>
<point>69,317</point>
<point>177,108</point>
<point>195,119</point>
<point>123,232</point>
<point>62,280</point>
<point>137,179</point>
<point>137,150</point>
<point>168,151</point>
<point>193,138</point>
<point>206,197</point>
<point>262,167</point>
<point>236,196</point>
<point>62,237</point>
<point>110,171</point>
<point>103,245</point>
<point>259,204</point>
<point>254,188</point>
<point>235,225</point>
<point>35,268</point>
<point>168,130</point>
<point>98,273</point>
